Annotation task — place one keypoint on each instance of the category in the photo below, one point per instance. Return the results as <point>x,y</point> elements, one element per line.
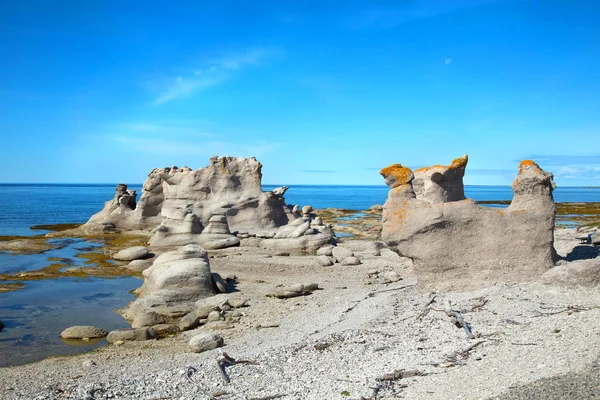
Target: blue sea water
<point>24,205</point>
<point>35,315</point>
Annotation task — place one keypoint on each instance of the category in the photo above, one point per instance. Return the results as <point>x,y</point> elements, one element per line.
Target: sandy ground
<point>531,341</point>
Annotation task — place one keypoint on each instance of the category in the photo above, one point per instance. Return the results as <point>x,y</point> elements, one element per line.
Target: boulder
<point>139,265</point>
<point>174,282</point>
<point>218,283</point>
<point>324,261</point>
<point>595,239</point>
<point>325,250</point>
<point>341,253</point>
<point>147,319</point>
<point>391,277</point>
<point>82,332</point>
<point>131,334</point>
<point>352,260</point>
<point>188,321</point>
<point>132,253</point>
<point>165,329</point>
<point>456,244</point>
<point>204,342</point>
<point>575,273</point>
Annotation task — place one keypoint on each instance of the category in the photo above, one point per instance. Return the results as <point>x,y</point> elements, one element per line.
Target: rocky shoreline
<point>246,297</point>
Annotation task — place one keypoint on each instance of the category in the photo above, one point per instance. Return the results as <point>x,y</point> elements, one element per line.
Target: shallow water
<point>35,316</point>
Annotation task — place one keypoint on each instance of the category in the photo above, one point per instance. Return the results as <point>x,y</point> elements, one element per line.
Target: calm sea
<point>24,205</point>
<point>36,314</point>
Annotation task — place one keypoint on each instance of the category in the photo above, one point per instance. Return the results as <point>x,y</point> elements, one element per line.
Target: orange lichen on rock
<point>528,164</point>
<point>397,174</point>
<point>460,162</point>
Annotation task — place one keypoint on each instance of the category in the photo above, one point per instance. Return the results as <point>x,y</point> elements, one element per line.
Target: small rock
<point>298,287</point>
<point>88,364</point>
<point>81,332</point>
<point>229,277</point>
<point>306,210</point>
<point>132,253</point>
<point>205,341</point>
<point>281,254</point>
<point>214,316</point>
<point>238,303</point>
<point>1,326</point>
<point>188,321</point>
<point>324,261</point>
<point>351,261</point>
<point>391,276</point>
<point>311,287</point>
<point>136,334</point>
<point>165,329</point>
<point>147,319</point>
<point>325,251</point>
<point>218,282</point>
<point>203,311</point>
<point>341,253</point>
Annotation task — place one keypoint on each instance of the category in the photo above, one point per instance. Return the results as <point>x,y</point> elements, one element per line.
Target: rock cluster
<point>214,207</point>
<point>457,244</point>
<point>176,197</point>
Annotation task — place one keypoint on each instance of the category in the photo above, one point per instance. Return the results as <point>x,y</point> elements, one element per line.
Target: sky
<point>320,92</point>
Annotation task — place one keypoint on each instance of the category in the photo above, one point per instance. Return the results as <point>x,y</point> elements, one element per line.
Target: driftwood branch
<point>457,319</point>
<point>224,361</point>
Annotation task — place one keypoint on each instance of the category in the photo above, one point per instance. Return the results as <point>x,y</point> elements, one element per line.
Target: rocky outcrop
<point>174,282</point>
<point>456,244</point>
<point>301,235</point>
<point>181,199</point>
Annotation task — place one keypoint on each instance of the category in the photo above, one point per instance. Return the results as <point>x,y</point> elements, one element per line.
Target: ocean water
<point>25,205</point>
<point>35,315</point>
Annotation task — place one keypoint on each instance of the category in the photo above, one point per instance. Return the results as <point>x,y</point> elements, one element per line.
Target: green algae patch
<point>10,286</point>
<point>54,227</point>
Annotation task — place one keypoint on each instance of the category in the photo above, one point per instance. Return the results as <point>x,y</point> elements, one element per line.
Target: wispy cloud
<point>559,160</point>
<point>178,138</point>
<point>585,169</point>
<point>211,73</point>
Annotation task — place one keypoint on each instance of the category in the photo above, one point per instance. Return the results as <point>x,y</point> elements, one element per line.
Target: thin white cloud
<point>213,73</point>
<point>178,148</point>
<point>181,138</point>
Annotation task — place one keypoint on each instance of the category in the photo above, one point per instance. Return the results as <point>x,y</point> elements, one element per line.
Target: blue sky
<point>320,92</point>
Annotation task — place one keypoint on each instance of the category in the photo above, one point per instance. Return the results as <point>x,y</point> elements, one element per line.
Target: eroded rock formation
<point>174,282</point>
<point>181,199</point>
<point>456,244</point>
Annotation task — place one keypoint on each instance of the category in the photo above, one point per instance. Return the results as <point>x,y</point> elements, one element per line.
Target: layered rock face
<point>182,200</point>
<point>456,244</point>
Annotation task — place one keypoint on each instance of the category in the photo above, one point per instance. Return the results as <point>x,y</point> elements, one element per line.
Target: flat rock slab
<point>81,332</point>
<point>204,342</point>
<point>131,334</point>
<point>132,253</point>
